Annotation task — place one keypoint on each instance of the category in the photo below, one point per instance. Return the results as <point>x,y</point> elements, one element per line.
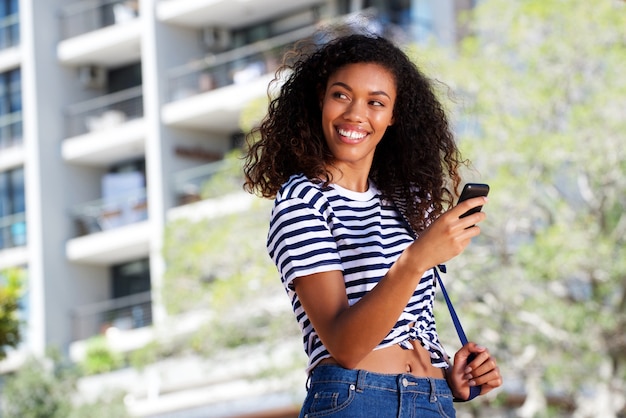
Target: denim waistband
<point>361,379</point>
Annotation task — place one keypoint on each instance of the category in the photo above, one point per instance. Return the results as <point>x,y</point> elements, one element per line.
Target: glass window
<point>12,198</point>
<point>9,23</point>
<point>12,208</point>
<point>124,78</point>
<point>131,278</point>
<point>10,108</point>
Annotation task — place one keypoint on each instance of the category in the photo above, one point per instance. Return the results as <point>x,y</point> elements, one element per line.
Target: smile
<point>352,134</point>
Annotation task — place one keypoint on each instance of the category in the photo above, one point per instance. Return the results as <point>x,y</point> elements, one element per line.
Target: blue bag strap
<point>474,390</point>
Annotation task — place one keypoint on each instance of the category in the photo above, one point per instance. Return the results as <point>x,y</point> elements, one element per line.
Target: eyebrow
<point>375,93</point>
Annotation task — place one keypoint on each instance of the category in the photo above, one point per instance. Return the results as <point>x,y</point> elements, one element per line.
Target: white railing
<point>208,181</point>
<point>128,312</point>
<point>235,66</point>
<point>89,15</point>
<point>104,214</point>
<point>105,111</point>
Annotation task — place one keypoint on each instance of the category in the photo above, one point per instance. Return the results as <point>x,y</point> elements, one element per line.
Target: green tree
<point>46,388</point>
<point>10,293</point>
<point>540,109</point>
<point>38,389</point>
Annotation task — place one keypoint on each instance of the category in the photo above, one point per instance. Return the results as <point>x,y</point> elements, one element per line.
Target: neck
<point>355,180</point>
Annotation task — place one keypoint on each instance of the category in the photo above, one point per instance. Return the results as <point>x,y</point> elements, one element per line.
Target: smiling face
<point>357,108</point>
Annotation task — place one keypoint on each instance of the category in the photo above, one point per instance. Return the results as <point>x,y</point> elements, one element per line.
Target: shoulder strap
<point>474,390</point>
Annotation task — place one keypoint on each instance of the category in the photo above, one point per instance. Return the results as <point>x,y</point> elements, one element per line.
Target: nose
<point>356,111</point>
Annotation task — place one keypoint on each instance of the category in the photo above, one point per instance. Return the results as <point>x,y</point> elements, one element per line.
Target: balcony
<point>191,185</point>
<point>220,13</point>
<point>100,32</point>
<point>13,231</point>
<point>110,231</point>
<point>209,94</point>
<point>125,313</point>
<point>113,212</point>
<point>105,129</point>
<point>210,191</point>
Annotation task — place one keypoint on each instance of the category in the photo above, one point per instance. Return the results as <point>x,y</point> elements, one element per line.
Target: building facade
<point>112,114</point>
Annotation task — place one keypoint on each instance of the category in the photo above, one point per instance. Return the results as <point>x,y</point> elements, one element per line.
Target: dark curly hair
<point>415,164</point>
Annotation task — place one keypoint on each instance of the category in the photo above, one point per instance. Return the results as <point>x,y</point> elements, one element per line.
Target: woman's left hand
<point>482,371</point>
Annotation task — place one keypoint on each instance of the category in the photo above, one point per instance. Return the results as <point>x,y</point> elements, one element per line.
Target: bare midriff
<point>397,360</point>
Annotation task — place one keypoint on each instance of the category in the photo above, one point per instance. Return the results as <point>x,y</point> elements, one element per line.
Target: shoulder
<point>301,189</point>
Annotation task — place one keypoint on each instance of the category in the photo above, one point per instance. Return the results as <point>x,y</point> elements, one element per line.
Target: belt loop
<point>307,384</point>
<point>360,380</point>
<point>433,390</point>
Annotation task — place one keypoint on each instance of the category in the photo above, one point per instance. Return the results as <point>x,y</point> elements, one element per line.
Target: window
<point>124,78</point>
<point>10,108</point>
<point>9,23</point>
<point>12,208</point>
<point>130,279</point>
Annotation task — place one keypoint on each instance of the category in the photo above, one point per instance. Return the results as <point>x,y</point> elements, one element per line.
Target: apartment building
<point>112,114</point>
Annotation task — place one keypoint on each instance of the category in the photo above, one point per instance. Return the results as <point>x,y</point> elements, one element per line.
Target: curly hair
<point>415,164</point>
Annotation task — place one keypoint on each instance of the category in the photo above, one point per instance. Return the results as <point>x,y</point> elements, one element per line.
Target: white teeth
<point>352,134</point>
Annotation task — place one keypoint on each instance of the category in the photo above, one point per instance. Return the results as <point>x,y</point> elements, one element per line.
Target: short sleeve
<point>300,241</point>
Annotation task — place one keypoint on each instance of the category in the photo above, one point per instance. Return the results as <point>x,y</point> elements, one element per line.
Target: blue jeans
<point>337,392</point>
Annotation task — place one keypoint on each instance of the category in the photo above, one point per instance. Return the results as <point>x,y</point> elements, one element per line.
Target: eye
<point>377,103</point>
<point>339,95</point>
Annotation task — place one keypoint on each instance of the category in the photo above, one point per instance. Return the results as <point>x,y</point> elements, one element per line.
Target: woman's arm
<point>351,333</point>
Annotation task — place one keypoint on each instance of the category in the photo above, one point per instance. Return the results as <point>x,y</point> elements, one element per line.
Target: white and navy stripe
<point>315,229</point>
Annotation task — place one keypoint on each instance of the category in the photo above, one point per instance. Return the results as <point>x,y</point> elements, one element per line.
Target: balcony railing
<point>236,66</point>
<point>128,312</point>
<point>9,31</point>
<point>90,15</point>
<point>13,231</point>
<point>208,181</point>
<point>105,112</point>
<point>105,214</point>
<point>10,130</point>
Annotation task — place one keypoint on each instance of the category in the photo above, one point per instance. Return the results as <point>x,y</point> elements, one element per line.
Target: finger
<point>482,364</point>
<point>492,378</point>
<point>469,204</point>
<point>490,385</point>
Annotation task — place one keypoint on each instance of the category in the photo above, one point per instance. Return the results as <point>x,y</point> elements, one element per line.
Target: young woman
<point>357,153</point>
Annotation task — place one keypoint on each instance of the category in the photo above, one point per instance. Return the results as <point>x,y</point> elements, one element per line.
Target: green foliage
<point>221,264</point>
<point>213,263</point>
<point>10,293</point>
<point>100,358</point>
<point>109,405</point>
<point>227,180</point>
<point>38,389</point>
<point>144,356</point>
<point>46,388</point>
<point>540,110</point>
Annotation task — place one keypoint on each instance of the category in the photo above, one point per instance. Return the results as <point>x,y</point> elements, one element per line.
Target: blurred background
<point>134,280</point>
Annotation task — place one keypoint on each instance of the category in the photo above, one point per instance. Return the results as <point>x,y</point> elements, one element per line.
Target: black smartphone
<point>471,190</point>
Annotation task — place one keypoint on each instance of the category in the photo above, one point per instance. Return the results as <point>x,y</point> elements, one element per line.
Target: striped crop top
<point>315,229</point>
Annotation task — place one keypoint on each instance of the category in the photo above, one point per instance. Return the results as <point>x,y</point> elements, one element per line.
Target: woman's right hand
<point>448,235</point>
